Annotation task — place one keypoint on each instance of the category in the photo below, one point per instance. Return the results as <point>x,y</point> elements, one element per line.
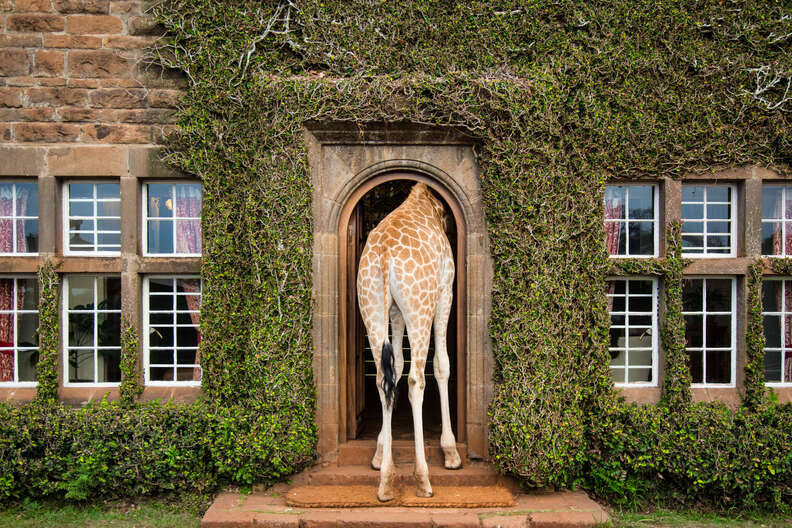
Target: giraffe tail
<point>388,374</point>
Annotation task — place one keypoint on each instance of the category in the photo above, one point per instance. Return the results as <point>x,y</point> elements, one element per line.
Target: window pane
<point>161,374</point>
<point>614,202</point>
<point>161,302</point>
<point>771,295</point>
<point>108,225</point>
<point>693,227</point>
<point>719,295</point>
<point>787,329</point>
<point>718,227</point>
<point>640,287</point>
<point>160,236</point>
<point>161,357</point>
<point>28,359</point>
<point>640,375</point>
<point>109,292</point>
<point>772,366</point>
<point>641,202</point>
<point>186,357</point>
<point>188,236</point>
<point>617,303</point>
<point>771,202</point>
<point>81,190</point>
<point>7,330</point>
<point>641,238</point>
<point>617,338</point>
<point>108,190</point>
<point>718,330</point>
<point>692,244</point>
<point>718,211</point>
<point>81,292</point>
<point>81,225</point>
<point>718,194</point>
<point>188,200</point>
<point>615,238</point>
<point>27,199</point>
<point>618,358</point>
<point>718,366</point>
<point>617,374</point>
<point>27,294</point>
<point>185,374</point>
<point>81,208</point>
<point>161,336</point>
<point>27,330</point>
<point>640,338</point>
<point>187,337</point>
<point>109,327</point>
<point>692,212</point>
<point>81,366</point>
<point>640,320</point>
<point>641,358</point>
<point>6,294</point>
<point>160,285</point>
<point>28,234</point>
<point>161,318</point>
<point>694,334</point>
<point>108,209</point>
<point>771,238</point>
<point>109,365</point>
<point>692,293</point>
<point>692,193</point>
<point>160,200</point>
<point>696,366</point>
<point>81,329</point>
<point>772,331</point>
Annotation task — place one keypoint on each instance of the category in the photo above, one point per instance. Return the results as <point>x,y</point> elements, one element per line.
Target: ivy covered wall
<point>560,97</point>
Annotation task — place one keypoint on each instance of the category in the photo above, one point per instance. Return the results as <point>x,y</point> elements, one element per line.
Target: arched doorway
<point>361,411</point>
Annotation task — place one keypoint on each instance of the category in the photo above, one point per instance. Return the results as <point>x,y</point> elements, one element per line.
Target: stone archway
<point>345,162</point>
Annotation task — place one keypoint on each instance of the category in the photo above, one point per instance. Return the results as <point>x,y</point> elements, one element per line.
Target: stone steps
<point>360,452</point>
<point>471,474</point>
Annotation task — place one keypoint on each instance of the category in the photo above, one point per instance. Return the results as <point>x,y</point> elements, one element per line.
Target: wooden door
<point>356,386</point>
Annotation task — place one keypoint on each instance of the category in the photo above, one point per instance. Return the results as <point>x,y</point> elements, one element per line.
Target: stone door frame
<point>344,160</point>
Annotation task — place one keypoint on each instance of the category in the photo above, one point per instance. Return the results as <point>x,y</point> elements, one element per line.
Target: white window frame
<point>626,221</point>
<point>703,348</point>
<point>14,218</point>
<point>16,312</point>
<point>146,218</point>
<point>146,325</point>
<point>784,350</point>
<point>732,221</point>
<point>783,220</point>
<point>66,218</point>
<point>65,332</point>
<point>627,313</point>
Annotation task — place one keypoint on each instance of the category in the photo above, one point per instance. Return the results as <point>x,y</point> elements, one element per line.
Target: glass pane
<point>81,241</point>
<point>188,285</point>
<point>81,190</point>
<point>161,302</point>
<point>614,201</point>
<point>188,236</point>
<point>718,366</point>
<point>27,365</point>
<point>718,330</point>
<point>718,227</point>
<point>615,238</point>
<point>693,227</point>
<point>192,318</point>
<point>640,320</point>
<point>719,295</point>
<point>6,234</point>
<point>27,294</point>
<point>617,374</point>
<point>692,212</point>
<point>160,318</point>
<point>186,374</point>
<point>640,375</point>
<point>111,240</point>
<point>694,334</point>
<point>160,285</point>
<point>108,209</point>
<point>718,211</point>
<point>617,303</point>
<point>787,337</point>
<point>81,366</point>
<point>641,202</point>
<point>692,293</point>
<point>640,337</point>
<point>771,202</point>
<point>27,199</point>
<point>772,331</point>
<point>640,287</point>
<point>616,320</point>
<point>718,244</point>
<point>108,225</point>
<point>108,190</point>
<point>692,193</point>
<point>161,336</point>
<point>718,194</point>
<point>186,357</point>
<point>188,200</point>
<point>617,337</point>
<point>81,329</point>
<point>6,330</point>
<point>109,365</point>
<point>641,238</point>
<point>771,295</point>
<point>772,365</point>
<point>81,208</point>
<point>619,287</point>
<point>6,294</point>
<point>187,337</point>
<point>161,374</point>
<point>160,236</point>
<point>640,358</point>
<point>81,292</point>
<point>109,293</point>
<point>6,365</point>
<point>771,238</point>
<point>29,234</point>
<point>81,225</point>
<point>696,366</point>
<point>692,244</point>
<point>161,357</point>
<point>109,328</point>
<point>618,358</point>
<point>160,200</point>
<point>27,330</point>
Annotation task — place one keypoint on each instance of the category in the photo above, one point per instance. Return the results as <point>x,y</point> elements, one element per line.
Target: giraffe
<point>406,271</point>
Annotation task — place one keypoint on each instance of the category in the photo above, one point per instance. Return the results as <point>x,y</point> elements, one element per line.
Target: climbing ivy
<point>47,366</point>
<point>131,383</point>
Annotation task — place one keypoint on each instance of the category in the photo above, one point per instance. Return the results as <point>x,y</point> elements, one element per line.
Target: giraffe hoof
<point>424,493</point>
<point>385,498</point>
<point>452,465</point>
<point>376,465</point>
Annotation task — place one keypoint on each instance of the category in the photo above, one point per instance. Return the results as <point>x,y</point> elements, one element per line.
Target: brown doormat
<point>366,497</point>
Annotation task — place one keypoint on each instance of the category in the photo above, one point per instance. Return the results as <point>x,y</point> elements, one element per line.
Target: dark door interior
<point>364,409</point>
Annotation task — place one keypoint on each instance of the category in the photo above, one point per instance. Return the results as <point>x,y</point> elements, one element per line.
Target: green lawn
<point>154,513</point>
<point>691,519</point>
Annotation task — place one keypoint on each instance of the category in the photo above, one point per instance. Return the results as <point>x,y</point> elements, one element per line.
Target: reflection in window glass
<point>633,340</point>
<point>93,329</point>
<point>18,330</point>
<point>173,316</point>
<point>707,213</point>
<point>19,218</point>
<point>708,308</point>
<point>94,218</point>
<point>777,220</point>
<point>173,218</point>
<point>630,220</point>
<point>777,315</point>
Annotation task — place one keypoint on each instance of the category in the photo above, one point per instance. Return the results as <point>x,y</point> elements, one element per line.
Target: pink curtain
<point>613,210</point>
<point>22,203</point>
<point>783,214</point>
<point>188,232</point>
<point>194,305</point>
<point>6,225</point>
<point>786,368</point>
<point>7,330</point>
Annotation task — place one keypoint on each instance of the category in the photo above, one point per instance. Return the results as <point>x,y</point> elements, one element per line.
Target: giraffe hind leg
<point>442,372</point>
<point>397,328</point>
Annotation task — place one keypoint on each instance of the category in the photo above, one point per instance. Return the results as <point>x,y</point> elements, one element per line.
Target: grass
<point>181,512</point>
<point>695,519</point>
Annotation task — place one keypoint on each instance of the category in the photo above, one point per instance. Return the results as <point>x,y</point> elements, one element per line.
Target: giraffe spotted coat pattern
<point>406,274</point>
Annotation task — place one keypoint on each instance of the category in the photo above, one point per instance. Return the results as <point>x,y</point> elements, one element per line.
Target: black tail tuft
<point>388,375</point>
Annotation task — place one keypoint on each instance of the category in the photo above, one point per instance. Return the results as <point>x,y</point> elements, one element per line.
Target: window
<point>93,329</point>
<point>632,304</point>
<point>19,218</point>
<point>777,313</point>
<point>173,219</point>
<point>777,220</point>
<point>708,220</point>
<point>93,223</point>
<point>18,330</point>
<point>710,330</point>
<point>172,314</point>
<point>631,220</point>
